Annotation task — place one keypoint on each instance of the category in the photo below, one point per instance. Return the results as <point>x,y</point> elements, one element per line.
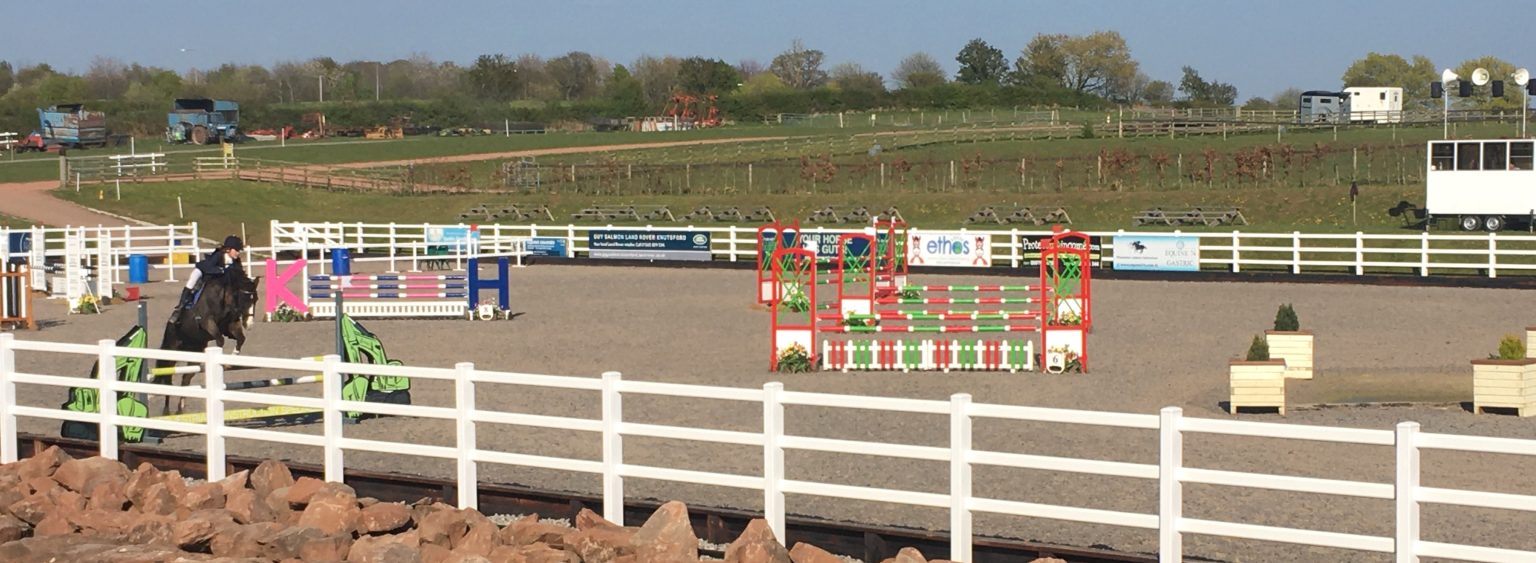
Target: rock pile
<point>55,508</point>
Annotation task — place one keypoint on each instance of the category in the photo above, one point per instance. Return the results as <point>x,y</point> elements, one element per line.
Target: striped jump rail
<point>968,288</point>
<point>387,285</point>
<point>928,355</point>
<point>954,300</point>
<point>854,329</point>
<point>934,316</point>
<point>390,295</point>
<point>397,277</point>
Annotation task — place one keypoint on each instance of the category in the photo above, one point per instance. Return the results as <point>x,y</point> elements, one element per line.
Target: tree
<point>658,78</point>
<point>763,83</point>
<point>918,70</point>
<point>575,75</point>
<point>493,77</point>
<point>698,75</point>
<point>1042,64</point>
<point>7,77</point>
<point>106,79</point>
<point>798,67</point>
<point>1158,92</point>
<point>1377,69</point>
<point>749,68</point>
<point>1498,69</point>
<point>1289,98</point>
<point>624,93</point>
<point>981,63</point>
<point>1097,63</point>
<point>852,76</point>
<point>1198,91</point>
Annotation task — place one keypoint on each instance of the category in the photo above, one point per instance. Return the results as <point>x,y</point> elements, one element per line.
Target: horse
<point>224,310</point>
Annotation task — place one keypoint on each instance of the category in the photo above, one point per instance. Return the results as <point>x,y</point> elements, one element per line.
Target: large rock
<point>275,506</point>
<point>203,496</point>
<point>33,508</point>
<point>431,553</point>
<point>328,548</point>
<point>12,528</point>
<point>76,473</point>
<point>41,464</point>
<point>907,555</point>
<point>270,476</point>
<point>157,499</point>
<point>667,536</point>
<point>756,544</point>
<point>480,539</point>
<point>104,522</point>
<point>151,529</point>
<point>75,548</point>
<point>444,527</point>
<point>245,541</point>
<point>371,549</point>
<point>54,525</point>
<point>384,517</point>
<point>242,504</point>
<point>302,489</point>
<point>529,530</point>
<point>807,553</point>
<point>332,509</point>
<point>540,553</point>
<point>587,519</point>
<point>289,541</point>
<point>194,532</point>
<point>235,481</point>
<point>107,495</point>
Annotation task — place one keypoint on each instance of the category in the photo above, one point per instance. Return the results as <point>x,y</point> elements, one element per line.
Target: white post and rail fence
<point>1407,495</point>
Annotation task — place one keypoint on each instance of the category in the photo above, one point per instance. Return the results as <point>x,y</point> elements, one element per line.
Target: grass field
<point>10,222</point>
<point>220,206</point>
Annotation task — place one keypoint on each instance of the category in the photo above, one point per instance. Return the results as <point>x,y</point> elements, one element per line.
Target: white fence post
<point>331,392</point>
<point>773,458</point>
<point>1493,255</point>
<point>106,397</point>
<point>1359,253</point>
<point>1237,260</point>
<point>960,477</point>
<point>1407,487</point>
<point>8,444</point>
<point>464,401</point>
<point>213,398</point>
<point>1170,543</point>
<point>613,450</point>
<point>1295,252</point>
<point>1424,254</point>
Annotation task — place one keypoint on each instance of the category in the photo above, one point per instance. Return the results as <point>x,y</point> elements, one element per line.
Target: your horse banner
<point>960,249</point>
<point>1164,253</point>
<point>632,244</point>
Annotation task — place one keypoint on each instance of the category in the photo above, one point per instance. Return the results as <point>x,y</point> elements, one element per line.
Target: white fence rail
<point>96,259</point>
<point>1170,473</point>
<point>1421,254</point>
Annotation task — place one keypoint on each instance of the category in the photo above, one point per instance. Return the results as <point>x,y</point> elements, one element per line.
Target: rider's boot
<point>181,305</point>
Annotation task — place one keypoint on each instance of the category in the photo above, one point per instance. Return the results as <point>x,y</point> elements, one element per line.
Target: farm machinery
<point>201,121</point>
<point>66,126</point>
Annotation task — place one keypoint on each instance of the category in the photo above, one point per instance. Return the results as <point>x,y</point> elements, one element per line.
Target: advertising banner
<point>632,244</point>
<point>1029,248</point>
<point>1163,253</point>
<point>949,248</point>
<point>455,238</point>
<point>547,246</point>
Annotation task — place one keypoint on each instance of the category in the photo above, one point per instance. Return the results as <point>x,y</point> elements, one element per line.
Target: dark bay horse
<point>224,310</point>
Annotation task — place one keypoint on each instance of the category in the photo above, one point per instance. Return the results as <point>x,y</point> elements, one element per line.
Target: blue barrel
<point>341,262</point>
<point>138,268</point>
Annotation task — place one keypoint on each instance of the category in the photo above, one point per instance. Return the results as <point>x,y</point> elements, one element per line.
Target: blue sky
<point>1260,47</point>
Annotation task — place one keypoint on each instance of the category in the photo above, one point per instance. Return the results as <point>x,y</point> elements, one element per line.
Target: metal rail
<point>711,524</point>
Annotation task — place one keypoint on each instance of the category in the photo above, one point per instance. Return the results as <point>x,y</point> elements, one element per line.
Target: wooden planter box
<point>1295,347</point>
<point>1509,384</point>
<point>1257,384</point>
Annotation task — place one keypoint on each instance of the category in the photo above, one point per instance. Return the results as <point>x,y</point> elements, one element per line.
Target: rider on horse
<point>223,260</point>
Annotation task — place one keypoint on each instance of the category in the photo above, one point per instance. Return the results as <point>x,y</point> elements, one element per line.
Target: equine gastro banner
<point>1165,253</point>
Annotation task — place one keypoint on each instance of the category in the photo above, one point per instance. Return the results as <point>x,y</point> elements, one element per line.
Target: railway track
<point>713,525</point>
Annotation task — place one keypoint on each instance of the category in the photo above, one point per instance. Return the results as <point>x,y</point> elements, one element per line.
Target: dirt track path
<point>35,202</point>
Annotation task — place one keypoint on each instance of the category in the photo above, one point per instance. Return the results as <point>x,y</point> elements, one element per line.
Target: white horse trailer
<point>1481,184</point>
<point>1374,105</point>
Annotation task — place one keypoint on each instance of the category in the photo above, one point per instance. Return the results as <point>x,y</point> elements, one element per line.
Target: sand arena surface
<point>1155,344</point>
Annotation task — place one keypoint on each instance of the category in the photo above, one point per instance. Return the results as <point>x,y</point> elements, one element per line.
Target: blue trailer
<point>66,126</point>
<point>201,121</point>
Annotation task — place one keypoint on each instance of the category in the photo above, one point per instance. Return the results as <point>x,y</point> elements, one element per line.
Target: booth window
<point>1468,156</point>
<point>1442,156</point>
<point>1495,155</point>
<point>1520,154</point>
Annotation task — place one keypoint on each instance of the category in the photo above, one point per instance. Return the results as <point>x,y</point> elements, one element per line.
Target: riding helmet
<point>234,242</point>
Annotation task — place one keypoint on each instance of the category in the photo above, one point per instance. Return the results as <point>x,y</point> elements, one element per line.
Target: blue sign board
<point>1163,253</point>
<point>632,244</point>
<point>547,246</point>
<point>455,237</point>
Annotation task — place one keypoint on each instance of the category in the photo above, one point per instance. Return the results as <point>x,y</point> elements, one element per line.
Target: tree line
<point>1092,70</point>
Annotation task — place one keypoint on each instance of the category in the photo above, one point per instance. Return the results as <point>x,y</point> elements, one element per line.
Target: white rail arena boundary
<point>1406,492</point>
<point>1421,254</point>
<point>95,260</point>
